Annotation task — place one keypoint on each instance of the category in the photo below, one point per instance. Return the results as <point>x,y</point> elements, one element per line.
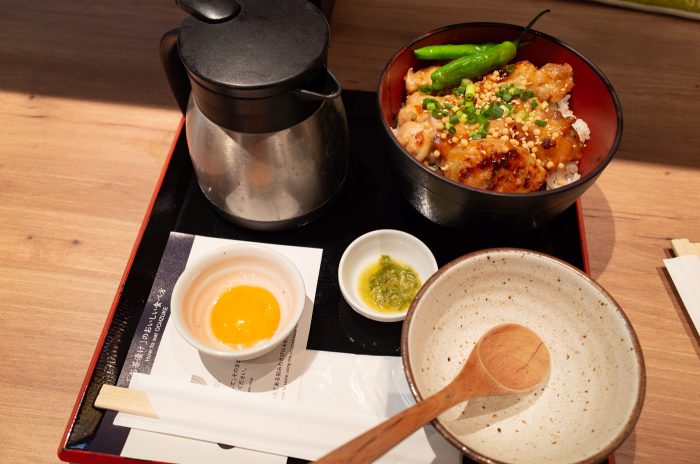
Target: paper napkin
<point>685,273</point>
<point>324,418</point>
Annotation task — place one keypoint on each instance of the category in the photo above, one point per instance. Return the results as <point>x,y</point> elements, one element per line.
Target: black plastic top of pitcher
<point>263,48</point>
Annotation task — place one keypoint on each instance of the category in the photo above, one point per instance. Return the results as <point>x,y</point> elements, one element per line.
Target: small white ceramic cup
<point>210,275</point>
<point>366,250</point>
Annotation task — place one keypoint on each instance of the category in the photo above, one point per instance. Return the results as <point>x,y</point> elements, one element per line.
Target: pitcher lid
<point>262,48</point>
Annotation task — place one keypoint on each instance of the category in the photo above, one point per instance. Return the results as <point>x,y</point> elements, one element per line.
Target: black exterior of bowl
<point>452,204</point>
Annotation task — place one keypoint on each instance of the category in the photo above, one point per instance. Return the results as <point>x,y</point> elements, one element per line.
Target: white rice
<point>580,126</point>
<point>564,175</point>
<point>569,172</point>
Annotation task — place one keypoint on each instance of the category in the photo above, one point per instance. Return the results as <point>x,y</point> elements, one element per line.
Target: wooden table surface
<point>86,119</point>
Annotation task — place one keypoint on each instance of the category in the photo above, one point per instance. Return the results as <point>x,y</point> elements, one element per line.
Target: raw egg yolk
<point>244,316</point>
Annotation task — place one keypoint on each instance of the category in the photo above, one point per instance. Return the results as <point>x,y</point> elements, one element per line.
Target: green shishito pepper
<point>449,52</point>
<point>471,66</point>
<point>479,63</point>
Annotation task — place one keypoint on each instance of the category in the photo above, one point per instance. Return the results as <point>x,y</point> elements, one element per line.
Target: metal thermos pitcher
<point>266,128</point>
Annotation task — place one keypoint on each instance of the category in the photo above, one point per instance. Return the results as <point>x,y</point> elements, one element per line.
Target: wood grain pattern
<point>125,400</point>
<point>87,119</point>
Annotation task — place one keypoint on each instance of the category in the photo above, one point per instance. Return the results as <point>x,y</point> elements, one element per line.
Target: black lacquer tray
<point>370,199</point>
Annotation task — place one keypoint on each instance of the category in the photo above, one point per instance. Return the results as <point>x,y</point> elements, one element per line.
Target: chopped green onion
<point>493,111</point>
<point>430,107</point>
<point>476,135</point>
<point>436,114</point>
<point>522,114</point>
<point>471,114</point>
<point>448,126</point>
<point>533,104</point>
<point>425,88</point>
<point>454,119</point>
<point>463,118</point>
<point>428,101</point>
<point>452,130</point>
<point>540,122</point>
<point>459,90</point>
<point>527,94</point>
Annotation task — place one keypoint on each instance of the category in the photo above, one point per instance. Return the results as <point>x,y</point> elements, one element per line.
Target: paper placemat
<point>289,374</point>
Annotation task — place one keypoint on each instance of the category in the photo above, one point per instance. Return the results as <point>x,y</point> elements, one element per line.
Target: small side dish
<point>238,302</point>
<point>486,123</point>
<point>381,271</point>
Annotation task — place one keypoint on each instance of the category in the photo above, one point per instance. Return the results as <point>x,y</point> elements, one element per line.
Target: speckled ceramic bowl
<point>595,390</point>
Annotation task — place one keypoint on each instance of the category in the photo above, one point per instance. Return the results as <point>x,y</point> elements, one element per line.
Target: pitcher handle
<point>174,69</point>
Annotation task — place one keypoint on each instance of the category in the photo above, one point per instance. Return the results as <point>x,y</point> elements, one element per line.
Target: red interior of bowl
<point>592,98</point>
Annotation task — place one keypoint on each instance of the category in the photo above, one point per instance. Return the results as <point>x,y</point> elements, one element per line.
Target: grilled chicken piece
<point>550,83</point>
<point>417,129</point>
<point>418,78</point>
<point>559,142</point>
<point>416,137</point>
<point>492,164</point>
<point>413,109</point>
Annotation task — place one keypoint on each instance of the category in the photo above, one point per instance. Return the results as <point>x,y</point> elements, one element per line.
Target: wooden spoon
<point>507,359</point>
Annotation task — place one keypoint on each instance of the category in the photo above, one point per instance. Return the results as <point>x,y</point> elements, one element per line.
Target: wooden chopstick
<point>683,247</point>
<point>125,400</point>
